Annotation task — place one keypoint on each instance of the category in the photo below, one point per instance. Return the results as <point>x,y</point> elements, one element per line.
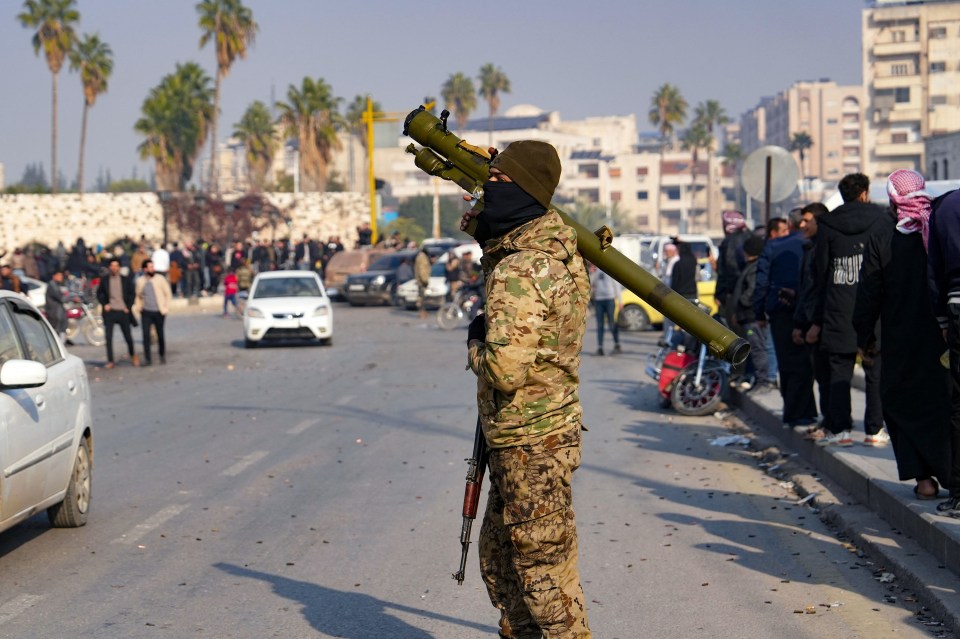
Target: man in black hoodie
<point>843,235</point>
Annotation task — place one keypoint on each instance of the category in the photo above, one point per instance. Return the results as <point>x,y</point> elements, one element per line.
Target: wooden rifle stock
<point>476,466</point>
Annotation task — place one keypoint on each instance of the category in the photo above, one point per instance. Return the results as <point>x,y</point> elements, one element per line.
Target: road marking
<point>244,463</point>
<point>152,523</point>
<point>13,608</point>
<point>343,401</point>
<point>302,426</point>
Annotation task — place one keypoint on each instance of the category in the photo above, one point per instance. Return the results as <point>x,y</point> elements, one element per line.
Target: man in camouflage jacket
<point>525,351</point>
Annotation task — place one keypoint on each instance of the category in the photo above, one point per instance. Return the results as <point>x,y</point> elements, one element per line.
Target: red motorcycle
<point>83,319</point>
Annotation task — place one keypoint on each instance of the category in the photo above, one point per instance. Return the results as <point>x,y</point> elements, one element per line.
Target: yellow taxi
<point>637,315</point>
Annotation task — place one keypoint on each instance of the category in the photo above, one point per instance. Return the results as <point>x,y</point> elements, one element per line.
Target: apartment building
<point>830,114</point>
<point>911,70</point>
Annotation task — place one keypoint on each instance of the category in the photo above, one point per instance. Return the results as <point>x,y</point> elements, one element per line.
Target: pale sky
<point>601,57</point>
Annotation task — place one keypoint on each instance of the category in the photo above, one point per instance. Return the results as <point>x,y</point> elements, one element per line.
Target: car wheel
<point>72,511</point>
<point>634,318</point>
<point>326,341</point>
<point>249,343</point>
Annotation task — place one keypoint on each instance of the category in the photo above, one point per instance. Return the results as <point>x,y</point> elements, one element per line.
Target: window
<point>851,118</point>
<point>898,138</point>
<point>643,195</point>
<point>673,193</point>
<point>899,36</point>
<point>38,340</point>
<point>852,134</point>
<point>902,95</point>
<point>832,121</point>
<point>938,100</point>
<point>589,171</point>
<point>831,154</point>
<point>935,176</point>
<point>946,172</point>
<point>615,171</point>
<point>9,347</point>
<point>938,67</point>
<point>615,196</point>
<point>938,33</point>
<point>642,171</point>
<point>900,69</point>
<point>590,195</point>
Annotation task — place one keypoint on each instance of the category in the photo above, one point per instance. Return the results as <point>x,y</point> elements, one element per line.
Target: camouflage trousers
<point>528,541</point>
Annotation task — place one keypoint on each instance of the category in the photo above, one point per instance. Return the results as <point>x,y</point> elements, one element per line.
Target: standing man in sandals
<point>525,351</point>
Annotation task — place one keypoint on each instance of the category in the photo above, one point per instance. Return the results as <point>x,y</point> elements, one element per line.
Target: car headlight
<point>378,280</point>
<point>254,312</point>
<point>321,311</point>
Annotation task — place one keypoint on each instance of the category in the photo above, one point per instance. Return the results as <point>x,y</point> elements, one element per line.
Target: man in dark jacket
<point>778,277</point>
<point>745,318</point>
<point>53,306</point>
<point>731,260</point>
<point>943,262</point>
<point>116,293</point>
<point>683,278</point>
<point>807,302</point>
<point>843,235</point>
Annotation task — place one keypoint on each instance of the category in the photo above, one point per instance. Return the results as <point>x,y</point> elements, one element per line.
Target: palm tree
<point>459,97</point>
<point>493,82</point>
<point>230,25</point>
<point>176,120</point>
<point>695,138</point>
<point>311,114</point>
<point>255,130</point>
<point>732,156</point>
<point>53,20</point>
<point>94,60</point>
<point>711,115</point>
<point>667,109</point>
<point>800,142</point>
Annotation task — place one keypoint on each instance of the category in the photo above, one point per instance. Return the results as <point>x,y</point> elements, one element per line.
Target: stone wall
<point>105,217</point>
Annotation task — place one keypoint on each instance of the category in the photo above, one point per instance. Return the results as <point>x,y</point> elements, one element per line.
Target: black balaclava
<point>505,207</point>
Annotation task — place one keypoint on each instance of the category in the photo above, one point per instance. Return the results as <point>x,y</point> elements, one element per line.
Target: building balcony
<point>896,81</point>
<point>882,49</point>
<point>890,149</point>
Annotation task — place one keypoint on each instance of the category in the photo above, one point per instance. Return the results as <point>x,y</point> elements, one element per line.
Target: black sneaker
<point>616,348</point>
<point>600,351</point>
<point>950,507</point>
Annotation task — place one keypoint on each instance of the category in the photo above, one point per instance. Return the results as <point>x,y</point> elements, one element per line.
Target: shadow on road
<point>351,615</point>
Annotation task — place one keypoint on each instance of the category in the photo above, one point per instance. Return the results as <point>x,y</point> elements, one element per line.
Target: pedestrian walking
<point>525,351</point>
<point>421,270</point>
<point>913,383</point>
<point>152,303</point>
<point>116,293</point>
<point>606,300</point>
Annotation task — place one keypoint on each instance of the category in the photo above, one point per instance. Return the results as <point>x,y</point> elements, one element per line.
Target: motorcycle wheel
<point>94,332</point>
<point>449,316</point>
<point>72,329</point>
<point>689,398</point>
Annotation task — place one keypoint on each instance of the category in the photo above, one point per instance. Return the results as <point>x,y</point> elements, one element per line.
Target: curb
<point>920,546</point>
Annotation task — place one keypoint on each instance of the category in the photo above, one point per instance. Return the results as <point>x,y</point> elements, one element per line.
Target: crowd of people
<point>819,285</point>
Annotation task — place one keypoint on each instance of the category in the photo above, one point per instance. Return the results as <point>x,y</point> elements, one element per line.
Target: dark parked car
<point>378,284</point>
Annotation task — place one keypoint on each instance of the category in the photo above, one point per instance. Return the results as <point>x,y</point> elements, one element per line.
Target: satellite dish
<point>784,174</point>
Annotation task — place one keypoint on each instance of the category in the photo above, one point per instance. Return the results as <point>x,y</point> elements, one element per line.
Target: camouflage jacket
<point>537,293</point>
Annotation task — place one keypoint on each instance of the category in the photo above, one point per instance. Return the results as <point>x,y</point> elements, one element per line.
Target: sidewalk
<point>869,475</point>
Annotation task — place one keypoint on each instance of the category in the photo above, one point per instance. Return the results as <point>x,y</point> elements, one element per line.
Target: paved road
<point>315,492</point>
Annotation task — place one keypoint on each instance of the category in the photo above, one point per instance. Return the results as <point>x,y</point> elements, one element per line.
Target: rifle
<point>476,466</point>
<point>451,158</point>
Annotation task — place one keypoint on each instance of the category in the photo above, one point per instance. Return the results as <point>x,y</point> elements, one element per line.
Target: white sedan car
<point>46,432</point>
<point>287,305</point>
<point>35,290</point>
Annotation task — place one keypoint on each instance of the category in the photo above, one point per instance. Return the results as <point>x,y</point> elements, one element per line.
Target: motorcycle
<point>465,306</point>
<point>688,377</point>
<point>82,319</point>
